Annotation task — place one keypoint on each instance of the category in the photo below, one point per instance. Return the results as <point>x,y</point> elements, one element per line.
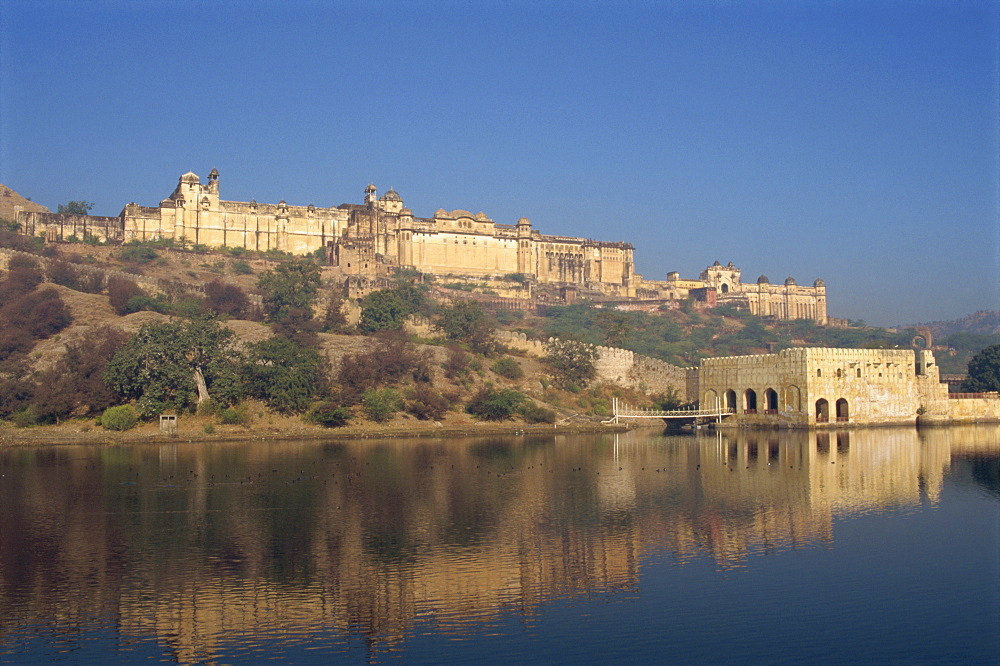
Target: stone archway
<point>709,399</point>
<point>822,411</point>
<point>750,401</point>
<point>770,400</point>
<point>843,412</point>
<point>731,399</point>
<point>792,398</point>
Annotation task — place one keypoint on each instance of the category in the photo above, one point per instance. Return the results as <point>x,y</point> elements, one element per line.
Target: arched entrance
<point>842,410</point>
<point>750,401</point>
<point>770,401</point>
<point>731,400</point>
<point>710,399</point>
<point>792,398</point>
<point>822,411</point>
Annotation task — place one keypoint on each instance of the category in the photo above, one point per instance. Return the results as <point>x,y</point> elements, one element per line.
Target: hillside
<point>983,322</point>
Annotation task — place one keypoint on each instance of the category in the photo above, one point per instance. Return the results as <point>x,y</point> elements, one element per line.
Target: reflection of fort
<point>375,540</point>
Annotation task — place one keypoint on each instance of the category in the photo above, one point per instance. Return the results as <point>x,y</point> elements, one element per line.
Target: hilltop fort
<point>380,235</point>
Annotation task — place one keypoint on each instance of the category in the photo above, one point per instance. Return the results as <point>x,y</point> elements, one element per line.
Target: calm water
<point>868,546</point>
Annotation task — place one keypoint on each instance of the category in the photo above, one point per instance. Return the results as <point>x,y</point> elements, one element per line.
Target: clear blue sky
<point>858,142</point>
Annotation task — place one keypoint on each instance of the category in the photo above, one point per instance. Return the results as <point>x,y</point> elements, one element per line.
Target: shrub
<point>137,254</point>
<point>427,404</point>
<point>227,299</point>
<point>457,362</point>
<point>381,404</point>
<point>493,405</point>
<point>532,413</point>
<point>123,417</point>
<point>63,273</point>
<point>120,292</point>
<point>241,267</point>
<point>508,368</point>
<point>235,415</point>
<point>329,415</point>
<point>24,418</point>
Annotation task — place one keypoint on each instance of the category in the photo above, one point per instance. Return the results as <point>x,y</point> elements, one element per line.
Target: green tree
<point>466,321</point>
<point>75,208</point>
<point>383,310</point>
<point>491,404</point>
<point>984,371</point>
<point>289,293</point>
<point>571,362</point>
<point>284,374</point>
<point>615,326</point>
<point>174,365</point>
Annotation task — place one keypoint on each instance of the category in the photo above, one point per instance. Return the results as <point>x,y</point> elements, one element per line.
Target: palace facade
<point>382,234</point>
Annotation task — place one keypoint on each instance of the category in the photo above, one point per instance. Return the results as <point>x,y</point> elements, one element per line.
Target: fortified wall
<point>380,235</point>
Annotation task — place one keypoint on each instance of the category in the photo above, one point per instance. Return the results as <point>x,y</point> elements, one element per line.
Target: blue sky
<point>858,142</point>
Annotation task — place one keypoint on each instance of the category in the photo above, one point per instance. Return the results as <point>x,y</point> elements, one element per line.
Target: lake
<point>754,546</point>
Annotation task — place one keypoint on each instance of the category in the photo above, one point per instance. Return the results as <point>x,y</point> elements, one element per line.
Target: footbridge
<point>621,410</point>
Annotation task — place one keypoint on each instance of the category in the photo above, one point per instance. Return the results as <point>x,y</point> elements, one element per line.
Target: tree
<point>289,293</point>
<point>984,371</point>
<point>289,290</point>
<point>227,299</point>
<point>76,382</point>
<point>383,310</point>
<point>572,362</point>
<point>174,365</point>
<point>284,374</point>
<point>75,208</point>
<point>466,321</point>
<point>615,326</point>
<point>495,405</point>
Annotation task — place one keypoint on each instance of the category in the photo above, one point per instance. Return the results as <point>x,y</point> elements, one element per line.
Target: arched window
<point>710,397</point>
<point>771,400</point>
<point>750,401</point>
<point>842,410</point>
<point>731,399</point>
<point>822,411</point>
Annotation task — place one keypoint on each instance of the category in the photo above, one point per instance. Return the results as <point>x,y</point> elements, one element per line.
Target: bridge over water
<point>621,410</point>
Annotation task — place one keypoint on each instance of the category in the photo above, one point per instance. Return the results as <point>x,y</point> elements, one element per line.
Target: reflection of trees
<point>201,543</point>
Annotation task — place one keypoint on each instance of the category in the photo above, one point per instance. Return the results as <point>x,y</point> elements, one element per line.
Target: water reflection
<point>223,548</point>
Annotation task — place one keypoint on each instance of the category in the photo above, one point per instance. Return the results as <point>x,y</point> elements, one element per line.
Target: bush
<point>532,413</point>
<point>241,267</point>
<point>137,254</point>
<point>427,404</point>
<point>508,368</point>
<point>24,418</point>
<point>493,405</point>
<point>236,415</point>
<point>120,292</point>
<point>329,415</point>
<point>381,404</point>
<point>123,417</point>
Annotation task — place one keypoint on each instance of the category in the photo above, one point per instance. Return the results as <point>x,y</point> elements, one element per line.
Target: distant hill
<point>11,202</point>
<point>984,322</point>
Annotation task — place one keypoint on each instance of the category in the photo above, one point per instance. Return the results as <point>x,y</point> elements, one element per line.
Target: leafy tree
<point>392,359</point>
<point>466,321</point>
<point>162,365</point>
<point>491,404</point>
<point>284,374</point>
<point>75,208</point>
<point>227,299</point>
<point>615,326</point>
<point>381,404</point>
<point>289,290</point>
<point>508,368</point>
<point>571,362</point>
<point>334,321</point>
<point>123,417</point>
<point>383,310</point>
<point>984,371</point>
<point>329,415</point>
<point>121,295</point>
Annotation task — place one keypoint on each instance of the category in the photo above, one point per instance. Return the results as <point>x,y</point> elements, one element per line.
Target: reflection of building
<point>379,537</point>
<point>380,234</point>
<point>807,387</point>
